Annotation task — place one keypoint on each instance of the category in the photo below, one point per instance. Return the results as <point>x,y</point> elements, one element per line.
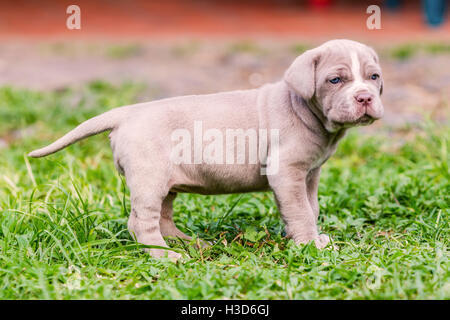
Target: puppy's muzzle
<point>364,99</point>
<point>365,102</point>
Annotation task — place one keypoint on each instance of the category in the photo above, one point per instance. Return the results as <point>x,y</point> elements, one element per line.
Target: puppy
<point>324,92</point>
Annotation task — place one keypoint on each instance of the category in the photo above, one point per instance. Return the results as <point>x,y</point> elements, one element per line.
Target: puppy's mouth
<point>365,120</point>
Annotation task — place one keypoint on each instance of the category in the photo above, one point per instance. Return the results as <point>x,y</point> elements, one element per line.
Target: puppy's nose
<point>364,98</point>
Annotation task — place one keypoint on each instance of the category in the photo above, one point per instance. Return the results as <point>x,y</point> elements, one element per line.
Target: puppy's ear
<point>301,75</point>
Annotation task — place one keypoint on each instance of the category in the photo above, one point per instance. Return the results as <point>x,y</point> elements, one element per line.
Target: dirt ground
<point>414,87</point>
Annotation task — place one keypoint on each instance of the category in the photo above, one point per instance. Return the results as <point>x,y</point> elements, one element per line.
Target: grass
<point>299,48</point>
<point>63,219</point>
<point>408,50</point>
<point>248,47</point>
<point>123,51</point>
<point>110,51</point>
<point>187,48</point>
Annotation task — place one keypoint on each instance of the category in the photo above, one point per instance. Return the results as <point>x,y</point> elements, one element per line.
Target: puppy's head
<point>342,79</point>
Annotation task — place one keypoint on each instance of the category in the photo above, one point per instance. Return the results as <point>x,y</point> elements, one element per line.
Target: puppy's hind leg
<point>168,227</point>
<point>166,224</point>
<point>147,192</point>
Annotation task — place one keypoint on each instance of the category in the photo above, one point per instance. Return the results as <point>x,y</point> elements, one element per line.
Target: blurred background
<point>178,47</point>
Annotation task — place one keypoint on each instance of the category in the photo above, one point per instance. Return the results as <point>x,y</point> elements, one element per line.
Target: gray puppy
<point>325,91</point>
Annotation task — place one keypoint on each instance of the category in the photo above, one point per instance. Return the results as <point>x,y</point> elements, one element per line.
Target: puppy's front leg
<point>312,184</point>
<point>291,193</point>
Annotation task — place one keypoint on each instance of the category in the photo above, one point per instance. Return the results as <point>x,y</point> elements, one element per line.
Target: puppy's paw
<point>322,241</point>
<point>160,253</point>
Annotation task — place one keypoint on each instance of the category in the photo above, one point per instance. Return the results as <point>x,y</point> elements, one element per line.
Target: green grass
<point>111,51</point>
<point>187,48</point>
<point>408,50</point>
<point>123,51</point>
<point>248,47</point>
<point>384,200</point>
<point>299,48</point>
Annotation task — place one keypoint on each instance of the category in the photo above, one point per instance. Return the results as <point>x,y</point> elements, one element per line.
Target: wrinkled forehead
<point>353,58</point>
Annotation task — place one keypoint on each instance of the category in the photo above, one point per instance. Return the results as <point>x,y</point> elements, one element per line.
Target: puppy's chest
<point>321,156</point>
<point>328,146</point>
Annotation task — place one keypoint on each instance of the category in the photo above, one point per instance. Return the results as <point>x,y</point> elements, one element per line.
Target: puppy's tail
<point>106,121</point>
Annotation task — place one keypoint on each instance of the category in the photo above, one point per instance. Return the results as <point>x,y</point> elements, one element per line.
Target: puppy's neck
<point>310,115</point>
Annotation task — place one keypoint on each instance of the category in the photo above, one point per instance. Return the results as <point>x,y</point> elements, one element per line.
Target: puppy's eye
<point>375,76</point>
<point>335,80</point>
